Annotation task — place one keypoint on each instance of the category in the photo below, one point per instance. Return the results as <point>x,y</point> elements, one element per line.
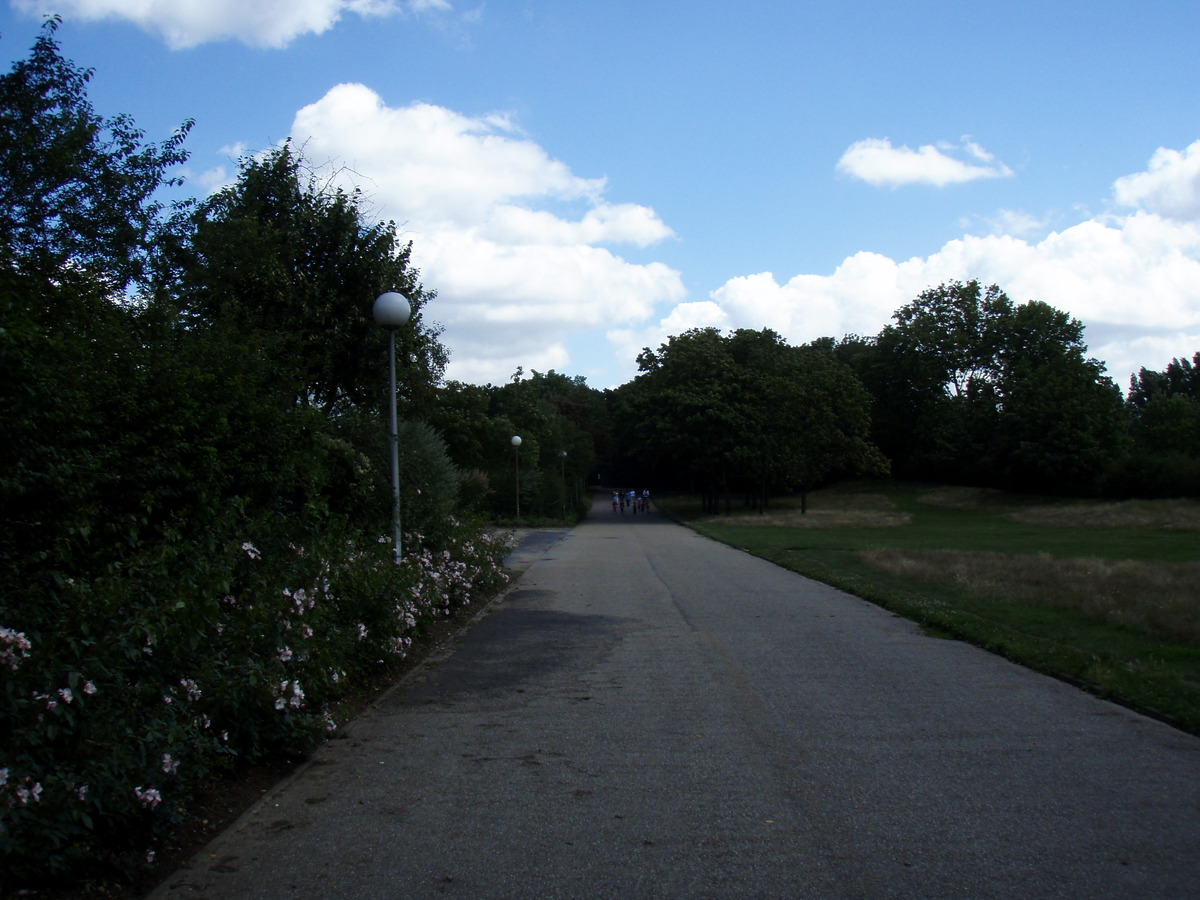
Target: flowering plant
<point>131,689</point>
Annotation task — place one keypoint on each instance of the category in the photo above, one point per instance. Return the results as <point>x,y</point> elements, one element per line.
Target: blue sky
<point>581,179</point>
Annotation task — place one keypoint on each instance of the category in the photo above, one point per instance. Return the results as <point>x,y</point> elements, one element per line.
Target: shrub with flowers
<point>126,691</point>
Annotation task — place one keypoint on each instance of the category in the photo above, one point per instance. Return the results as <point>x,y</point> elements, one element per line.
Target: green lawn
<point>1106,595</point>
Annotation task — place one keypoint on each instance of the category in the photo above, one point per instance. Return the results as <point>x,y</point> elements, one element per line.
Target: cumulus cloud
<point>1133,280</point>
<point>877,162</point>
<point>1169,187</point>
<point>260,23</point>
<point>519,248</point>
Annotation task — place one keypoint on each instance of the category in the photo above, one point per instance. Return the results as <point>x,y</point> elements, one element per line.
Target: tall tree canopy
<point>972,387</point>
<point>76,189</point>
<point>745,410</point>
<point>297,266</point>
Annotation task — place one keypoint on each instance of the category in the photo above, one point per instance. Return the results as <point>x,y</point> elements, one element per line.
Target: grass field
<point>1106,595</point>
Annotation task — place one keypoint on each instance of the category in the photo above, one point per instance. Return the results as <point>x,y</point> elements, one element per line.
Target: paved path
<point>650,714</point>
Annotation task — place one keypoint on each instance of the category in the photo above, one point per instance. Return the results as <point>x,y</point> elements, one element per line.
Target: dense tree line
<point>563,426</point>
<point>965,386</point>
<point>743,412</point>
<point>971,388</point>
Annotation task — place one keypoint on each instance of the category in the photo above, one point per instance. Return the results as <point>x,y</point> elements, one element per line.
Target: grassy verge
<point>1106,595</point>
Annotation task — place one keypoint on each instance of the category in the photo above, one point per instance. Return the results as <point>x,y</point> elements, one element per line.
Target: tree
<point>959,326</point>
<point>998,393</point>
<point>1164,409</point>
<point>680,419</point>
<point>746,409</point>
<point>1061,426</point>
<point>1180,378</point>
<point>828,420</point>
<point>296,267</point>
<point>75,189</point>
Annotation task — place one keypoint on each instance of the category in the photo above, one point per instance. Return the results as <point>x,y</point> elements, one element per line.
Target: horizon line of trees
<point>965,387</point>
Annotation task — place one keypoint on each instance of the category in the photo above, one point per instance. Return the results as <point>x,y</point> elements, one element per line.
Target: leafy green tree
<point>1061,426</point>
<point>747,409</point>
<point>680,418</point>
<point>959,325</point>
<point>827,418</point>
<point>185,495</point>
<point>554,414</point>
<point>991,392</point>
<point>76,189</point>
<point>1180,378</point>
<point>1165,429</point>
<point>296,266</point>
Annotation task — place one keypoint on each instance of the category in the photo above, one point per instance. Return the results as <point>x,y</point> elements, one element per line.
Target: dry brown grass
<point>1182,515</point>
<point>951,497</point>
<point>1162,599</point>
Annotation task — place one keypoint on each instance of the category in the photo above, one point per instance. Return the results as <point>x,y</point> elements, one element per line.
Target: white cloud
<point>1008,222</point>
<point>261,23</point>
<point>877,162</point>
<point>484,206</point>
<point>437,165</point>
<point>1170,187</point>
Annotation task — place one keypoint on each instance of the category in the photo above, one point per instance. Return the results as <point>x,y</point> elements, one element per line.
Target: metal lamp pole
<point>391,311</point>
<point>516,442</point>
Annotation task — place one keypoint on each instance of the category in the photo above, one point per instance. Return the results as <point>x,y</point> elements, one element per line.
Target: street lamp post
<point>516,442</point>
<point>391,311</point>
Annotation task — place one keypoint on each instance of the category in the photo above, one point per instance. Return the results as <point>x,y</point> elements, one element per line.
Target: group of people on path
<point>623,500</point>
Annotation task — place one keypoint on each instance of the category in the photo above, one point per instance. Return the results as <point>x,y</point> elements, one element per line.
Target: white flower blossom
<point>150,797</point>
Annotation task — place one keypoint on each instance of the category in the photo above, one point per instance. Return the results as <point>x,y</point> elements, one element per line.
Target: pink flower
<point>150,797</point>
<point>14,647</point>
<point>25,793</point>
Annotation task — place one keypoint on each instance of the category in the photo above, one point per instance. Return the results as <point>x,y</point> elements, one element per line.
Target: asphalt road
<point>647,713</point>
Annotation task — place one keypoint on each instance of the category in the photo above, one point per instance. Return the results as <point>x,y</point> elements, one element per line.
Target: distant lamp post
<point>516,442</point>
<point>391,311</point>
<point>562,471</point>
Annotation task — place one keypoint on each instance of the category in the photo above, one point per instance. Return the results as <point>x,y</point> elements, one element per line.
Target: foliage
<point>563,427</point>
<point>745,410</point>
<point>282,258</point>
<point>1164,408</point>
<point>130,690</point>
<point>972,387</point>
<point>75,189</point>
